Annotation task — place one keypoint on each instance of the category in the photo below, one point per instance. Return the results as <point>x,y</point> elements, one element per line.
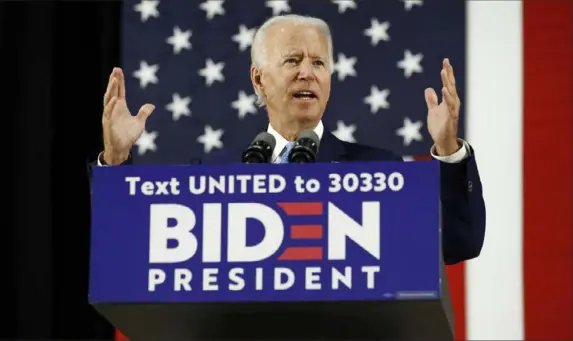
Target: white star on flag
<point>411,63</point>
<point>343,5</point>
<point>212,72</point>
<point>179,106</point>
<point>345,66</point>
<point>146,142</point>
<point>147,9</point>
<point>245,37</point>
<point>211,139</point>
<point>410,131</point>
<point>212,8</point>
<point>377,31</point>
<point>345,132</point>
<point>408,4</point>
<point>378,99</point>
<point>245,104</point>
<point>179,40</point>
<point>278,6</point>
<point>146,74</point>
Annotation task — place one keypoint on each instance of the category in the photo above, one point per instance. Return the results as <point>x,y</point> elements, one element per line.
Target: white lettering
<point>182,280</point>
<point>365,182</point>
<point>237,280</point>
<point>155,277</point>
<point>259,279</point>
<point>160,233</point>
<point>370,270</point>
<point>170,187</point>
<point>350,182</point>
<point>396,181</point>
<point>283,285</point>
<point>302,186</point>
<point>312,278</point>
<point>132,180</point>
<point>338,277</point>
<point>212,230</point>
<point>210,279</point>
<point>230,184</point>
<point>237,249</point>
<point>341,226</point>
<point>283,278</point>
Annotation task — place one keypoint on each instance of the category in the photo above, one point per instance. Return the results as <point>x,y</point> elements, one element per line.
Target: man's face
<point>296,77</point>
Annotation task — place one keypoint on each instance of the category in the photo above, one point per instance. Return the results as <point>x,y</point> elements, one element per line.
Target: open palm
<point>443,117</point>
<point>120,128</point>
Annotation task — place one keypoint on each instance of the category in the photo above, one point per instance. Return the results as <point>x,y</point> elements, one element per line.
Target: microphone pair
<point>261,149</point>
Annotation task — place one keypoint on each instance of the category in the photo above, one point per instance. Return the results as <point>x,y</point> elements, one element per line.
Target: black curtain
<point>57,57</point>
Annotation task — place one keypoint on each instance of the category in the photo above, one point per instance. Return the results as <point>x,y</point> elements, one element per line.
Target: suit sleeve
<point>463,210</point>
<point>99,162</point>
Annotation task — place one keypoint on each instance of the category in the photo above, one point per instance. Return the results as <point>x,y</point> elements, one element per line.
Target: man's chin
<point>307,113</point>
<point>305,104</point>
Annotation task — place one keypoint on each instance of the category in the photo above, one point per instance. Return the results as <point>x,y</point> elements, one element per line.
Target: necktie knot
<point>285,154</point>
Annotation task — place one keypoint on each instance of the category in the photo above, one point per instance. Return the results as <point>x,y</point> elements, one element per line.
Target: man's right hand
<point>120,129</point>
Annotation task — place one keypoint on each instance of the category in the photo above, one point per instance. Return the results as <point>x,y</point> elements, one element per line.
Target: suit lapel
<point>330,149</point>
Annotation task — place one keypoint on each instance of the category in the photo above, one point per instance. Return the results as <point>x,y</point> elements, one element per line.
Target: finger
<point>112,90</point>
<point>108,109</point>
<point>121,83</point>
<point>451,101</point>
<point>444,76</point>
<point>107,94</point>
<point>451,78</point>
<point>450,69</point>
<point>447,80</point>
<point>145,111</point>
<point>114,87</point>
<point>431,98</point>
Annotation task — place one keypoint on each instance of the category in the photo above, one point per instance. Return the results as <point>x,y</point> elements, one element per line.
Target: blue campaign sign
<point>265,232</point>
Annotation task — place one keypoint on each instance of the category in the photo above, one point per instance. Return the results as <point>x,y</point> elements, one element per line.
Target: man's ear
<point>256,79</point>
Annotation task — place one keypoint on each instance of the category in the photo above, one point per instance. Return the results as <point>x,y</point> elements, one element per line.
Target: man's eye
<point>318,62</point>
<point>291,60</point>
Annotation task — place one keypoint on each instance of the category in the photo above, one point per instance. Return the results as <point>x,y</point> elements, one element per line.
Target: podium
<point>321,251</point>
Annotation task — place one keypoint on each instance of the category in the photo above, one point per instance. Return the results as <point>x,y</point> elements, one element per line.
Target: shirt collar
<point>281,142</point>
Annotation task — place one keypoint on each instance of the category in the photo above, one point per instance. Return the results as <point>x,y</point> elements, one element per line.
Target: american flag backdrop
<point>191,59</point>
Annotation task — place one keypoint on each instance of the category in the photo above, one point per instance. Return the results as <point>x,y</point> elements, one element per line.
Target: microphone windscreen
<point>309,134</point>
<point>267,138</point>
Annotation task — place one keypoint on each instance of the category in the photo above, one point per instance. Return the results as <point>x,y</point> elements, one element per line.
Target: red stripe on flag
<point>547,138</point>
<point>456,281</point>
<point>119,336</point>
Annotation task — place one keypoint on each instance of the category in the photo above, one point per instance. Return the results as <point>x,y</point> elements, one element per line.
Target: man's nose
<point>306,70</point>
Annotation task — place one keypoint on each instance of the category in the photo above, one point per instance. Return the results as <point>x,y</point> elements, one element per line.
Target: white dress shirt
<point>281,143</point>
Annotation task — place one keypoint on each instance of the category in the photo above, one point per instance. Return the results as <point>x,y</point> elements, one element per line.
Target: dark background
<point>56,60</point>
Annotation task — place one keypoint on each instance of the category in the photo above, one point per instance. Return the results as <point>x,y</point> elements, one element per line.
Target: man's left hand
<point>443,117</point>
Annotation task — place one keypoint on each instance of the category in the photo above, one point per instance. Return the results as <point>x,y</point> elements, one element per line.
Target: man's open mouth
<point>305,95</point>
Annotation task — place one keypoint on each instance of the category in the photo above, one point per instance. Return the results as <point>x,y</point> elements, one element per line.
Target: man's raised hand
<point>120,129</point>
<point>443,117</point>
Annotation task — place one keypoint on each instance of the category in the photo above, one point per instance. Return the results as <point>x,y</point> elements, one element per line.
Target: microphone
<point>305,148</point>
<point>261,149</point>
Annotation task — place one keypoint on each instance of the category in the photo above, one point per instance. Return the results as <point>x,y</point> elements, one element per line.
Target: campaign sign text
<point>265,232</point>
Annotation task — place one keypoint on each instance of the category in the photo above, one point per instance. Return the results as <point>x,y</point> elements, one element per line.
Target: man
<point>292,64</point>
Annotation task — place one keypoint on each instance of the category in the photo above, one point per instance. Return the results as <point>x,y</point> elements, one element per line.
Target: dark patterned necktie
<point>284,157</point>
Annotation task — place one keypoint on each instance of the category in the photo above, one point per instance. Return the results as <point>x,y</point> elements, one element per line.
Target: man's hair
<point>259,50</point>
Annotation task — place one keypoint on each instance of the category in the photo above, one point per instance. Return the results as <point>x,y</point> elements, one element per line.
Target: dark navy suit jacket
<point>463,208</point>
